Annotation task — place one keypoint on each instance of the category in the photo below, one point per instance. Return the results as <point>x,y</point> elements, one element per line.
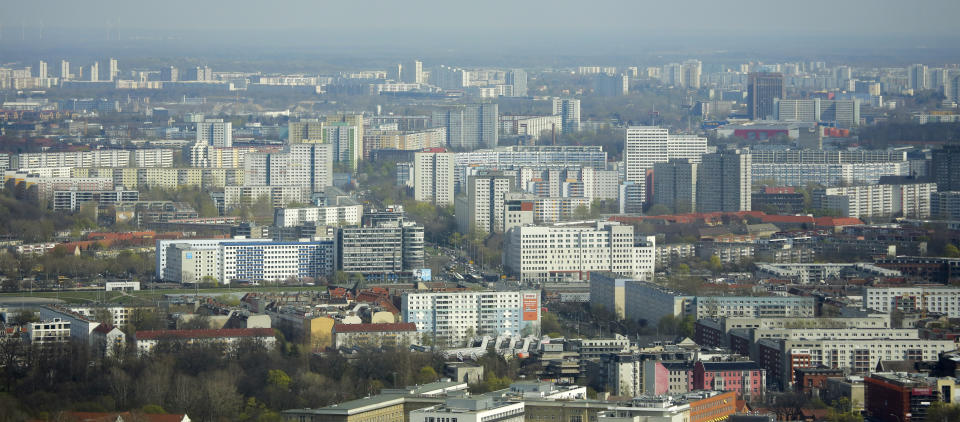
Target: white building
<point>48,332</point>
<point>307,165</point>
<point>803,174</point>
<point>163,244</point>
<point>646,145</point>
<point>95,158</point>
<point>215,132</point>
<point>754,306</point>
<point>327,216</point>
<point>909,200</point>
<point>532,126</point>
<point>930,299</point>
<point>453,317</point>
<point>273,261</point>
<point>471,409</point>
<point>569,251</point>
<point>276,196</point>
<point>433,177</point>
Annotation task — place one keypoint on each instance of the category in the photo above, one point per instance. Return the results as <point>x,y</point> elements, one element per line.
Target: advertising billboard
<point>531,306</point>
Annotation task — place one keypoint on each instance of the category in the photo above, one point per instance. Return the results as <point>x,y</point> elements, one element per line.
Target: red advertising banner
<point>531,307</point>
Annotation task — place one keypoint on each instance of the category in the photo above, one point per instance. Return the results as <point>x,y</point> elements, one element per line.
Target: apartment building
<point>570,251</point>
<point>433,177</point>
<point>95,158</point>
<point>327,216</point>
<point>937,299</point>
<point>270,261</point>
<point>453,317</point>
<point>879,200</point>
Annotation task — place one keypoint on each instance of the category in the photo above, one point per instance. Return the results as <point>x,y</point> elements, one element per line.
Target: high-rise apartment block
<point>946,168</point>
<point>517,78</point>
<point>215,132</point>
<point>64,70</point>
<point>647,145</point>
<point>675,185</point>
<point>309,166</point>
<point>691,72</point>
<point>433,177</point>
<point>480,207</point>
<point>918,76</point>
<point>762,89</point>
<point>569,110</point>
<point>412,72</point>
<point>724,182</point>
<point>469,127</point>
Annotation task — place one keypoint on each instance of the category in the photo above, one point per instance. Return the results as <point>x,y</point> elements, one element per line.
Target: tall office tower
<point>394,71</point>
<point>481,205</point>
<point>114,70</point>
<point>672,74</point>
<point>675,185</point>
<point>611,85</point>
<point>215,132</point>
<point>518,79</point>
<point>346,142</point>
<point>94,72</point>
<point>170,74</point>
<point>433,176</point>
<point>469,127</point>
<point>64,70</point>
<point>569,110</point>
<point>308,166</point>
<point>307,131</point>
<point>946,168</point>
<point>723,182</point>
<point>647,145</point>
<point>412,72</point>
<point>42,69</point>
<point>917,74</point>
<point>692,70</point>
<point>762,88</point>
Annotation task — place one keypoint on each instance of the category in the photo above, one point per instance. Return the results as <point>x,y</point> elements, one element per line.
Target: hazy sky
<point>513,25</point>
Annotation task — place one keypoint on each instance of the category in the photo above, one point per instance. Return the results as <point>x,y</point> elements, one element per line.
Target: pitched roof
<point>374,328</point>
<point>838,221</point>
<point>104,328</point>
<point>188,334</point>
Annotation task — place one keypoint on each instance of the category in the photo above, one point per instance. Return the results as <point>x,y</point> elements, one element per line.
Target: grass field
<point>147,296</point>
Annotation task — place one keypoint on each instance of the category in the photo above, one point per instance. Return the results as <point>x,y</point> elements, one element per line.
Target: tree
<point>951,251</point>
<point>942,412</point>
<point>581,213</point>
<point>715,264</point>
<point>426,375</point>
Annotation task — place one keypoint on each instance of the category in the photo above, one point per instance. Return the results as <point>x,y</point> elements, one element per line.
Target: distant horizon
<point>884,32</point>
